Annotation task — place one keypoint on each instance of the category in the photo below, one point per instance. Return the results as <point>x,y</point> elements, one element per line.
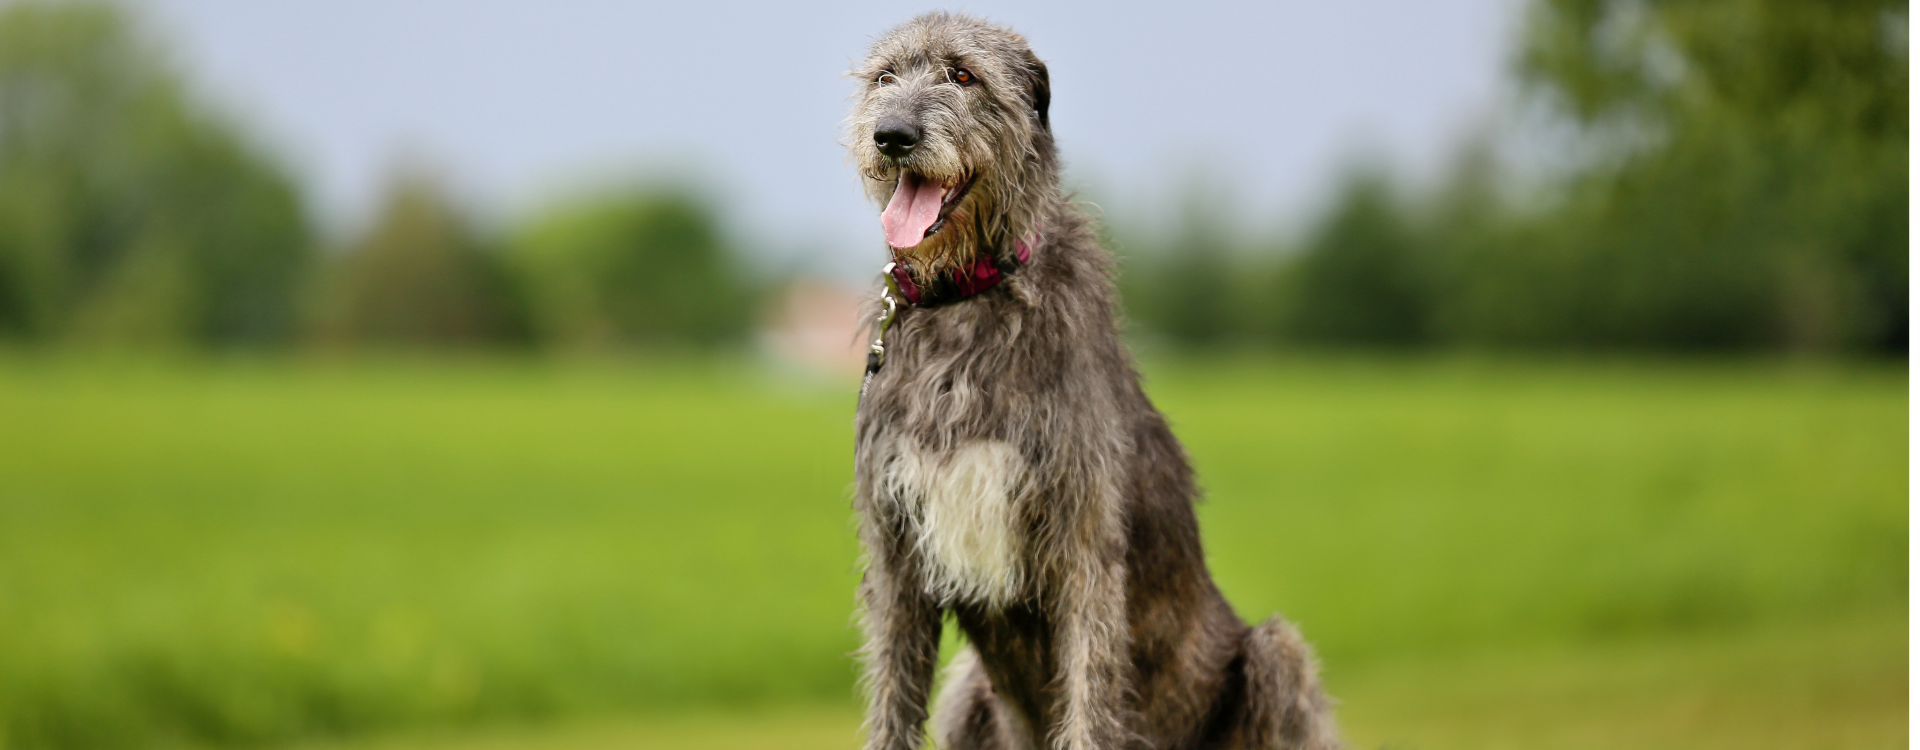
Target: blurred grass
<point>1837,684</point>
<point>252,552</point>
<point>1832,685</point>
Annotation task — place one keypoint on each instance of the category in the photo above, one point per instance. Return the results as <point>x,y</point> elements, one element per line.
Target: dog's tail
<point>1286,708</point>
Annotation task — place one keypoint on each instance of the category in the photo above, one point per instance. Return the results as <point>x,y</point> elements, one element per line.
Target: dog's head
<point>950,134</point>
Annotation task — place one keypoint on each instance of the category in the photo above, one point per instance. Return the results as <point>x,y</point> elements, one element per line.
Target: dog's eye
<point>886,76</point>
<point>962,76</point>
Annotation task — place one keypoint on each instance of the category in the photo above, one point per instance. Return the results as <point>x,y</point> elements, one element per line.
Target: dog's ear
<point>1040,88</point>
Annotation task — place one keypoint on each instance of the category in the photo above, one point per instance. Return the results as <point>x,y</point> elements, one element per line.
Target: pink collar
<point>960,284</point>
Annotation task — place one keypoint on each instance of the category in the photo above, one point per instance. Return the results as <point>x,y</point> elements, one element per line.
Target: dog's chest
<point>963,519</point>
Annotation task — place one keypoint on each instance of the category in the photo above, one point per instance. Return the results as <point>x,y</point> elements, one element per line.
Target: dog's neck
<point>984,273</point>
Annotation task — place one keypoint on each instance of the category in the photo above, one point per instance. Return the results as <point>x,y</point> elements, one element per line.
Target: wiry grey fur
<point>1011,473</point>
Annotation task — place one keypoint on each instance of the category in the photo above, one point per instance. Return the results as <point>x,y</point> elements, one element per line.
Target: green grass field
<point>490,554</point>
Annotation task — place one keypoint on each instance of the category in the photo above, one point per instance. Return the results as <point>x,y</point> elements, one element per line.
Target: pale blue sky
<point>521,101</point>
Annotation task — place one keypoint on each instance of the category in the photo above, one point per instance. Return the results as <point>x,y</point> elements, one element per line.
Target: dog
<point>1009,471</point>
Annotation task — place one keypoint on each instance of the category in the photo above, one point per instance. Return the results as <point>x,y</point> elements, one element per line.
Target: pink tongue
<point>915,207</point>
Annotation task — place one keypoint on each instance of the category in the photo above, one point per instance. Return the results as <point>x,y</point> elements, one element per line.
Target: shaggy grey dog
<point>1010,472</point>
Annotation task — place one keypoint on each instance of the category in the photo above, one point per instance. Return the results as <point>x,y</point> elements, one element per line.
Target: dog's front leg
<point>1094,640</point>
<point>902,648</point>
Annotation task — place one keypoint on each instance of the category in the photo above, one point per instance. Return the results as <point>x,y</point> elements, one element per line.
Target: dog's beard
<point>953,241</point>
<point>953,248</point>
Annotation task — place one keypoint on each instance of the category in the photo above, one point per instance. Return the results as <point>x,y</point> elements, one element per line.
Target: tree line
<point>132,214</point>
<point>1738,181</point>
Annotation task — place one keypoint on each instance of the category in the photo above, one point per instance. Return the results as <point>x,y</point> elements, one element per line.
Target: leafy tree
<point>1741,184</point>
<point>1182,285</point>
<point>127,213</point>
<point>1748,183</point>
<point>1360,279</point>
<point>645,267</point>
<point>421,276</point>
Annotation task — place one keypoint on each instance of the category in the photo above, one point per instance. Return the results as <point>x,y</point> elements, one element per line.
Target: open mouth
<point>919,207</point>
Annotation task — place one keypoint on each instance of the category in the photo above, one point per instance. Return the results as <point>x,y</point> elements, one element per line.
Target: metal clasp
<point>890,307</point>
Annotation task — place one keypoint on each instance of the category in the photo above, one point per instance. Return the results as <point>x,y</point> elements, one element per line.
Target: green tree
<point>1360,279</point>
<point>421,276</point>
<point>1748,181</point>
<point>1191,288</point>
<point>646,267</point>
<point>128,213</point>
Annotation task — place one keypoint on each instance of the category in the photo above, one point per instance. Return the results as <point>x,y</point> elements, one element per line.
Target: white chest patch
<point>961,504</point>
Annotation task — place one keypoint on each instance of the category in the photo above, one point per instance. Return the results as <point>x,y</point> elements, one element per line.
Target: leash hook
<point>890,308</point>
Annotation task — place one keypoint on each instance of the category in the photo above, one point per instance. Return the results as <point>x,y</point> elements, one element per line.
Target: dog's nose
<point>896,138</point>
